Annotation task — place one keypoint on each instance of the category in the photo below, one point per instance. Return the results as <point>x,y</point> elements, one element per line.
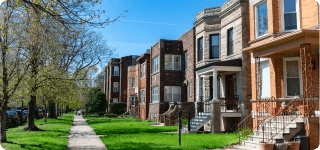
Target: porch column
<point>198,87</point>
<point>215,86</point>
<point>215,106</point>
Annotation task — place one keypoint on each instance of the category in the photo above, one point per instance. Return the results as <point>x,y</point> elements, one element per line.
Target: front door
<point>231,91</point>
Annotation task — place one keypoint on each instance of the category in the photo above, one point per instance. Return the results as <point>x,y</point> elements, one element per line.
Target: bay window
<point>214,46</point>
<point>292,77</point>
<point>172,62</point>
<point>200,49</point>
<point>132,83</point>
<point>261,19</point>
<point>290,14</point>
<point>172,93</point>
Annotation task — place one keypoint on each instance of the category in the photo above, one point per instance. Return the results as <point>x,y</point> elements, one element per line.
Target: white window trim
<point>285,75</point>
<point>256,19</point>
<point>172,62</point>
<point>262,61</point>
<point>298,16</point>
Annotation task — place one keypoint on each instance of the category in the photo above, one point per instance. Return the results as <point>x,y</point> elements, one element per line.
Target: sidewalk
<point>83,137</point>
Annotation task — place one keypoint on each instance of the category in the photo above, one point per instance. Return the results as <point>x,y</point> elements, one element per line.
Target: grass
<point>129,133</point>
<point>54,137</point>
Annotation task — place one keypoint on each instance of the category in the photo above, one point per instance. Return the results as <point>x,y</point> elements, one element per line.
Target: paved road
<point>82,136</point>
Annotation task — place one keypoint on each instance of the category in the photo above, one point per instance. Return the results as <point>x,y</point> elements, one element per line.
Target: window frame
<point>185,61</point>
<point>210,44</point>
<point>190,89</point>
<point>143,70</point>
<point>172,93</point>
<point>285,75</point>
<point>114,71</point>
<point>144,96</point>
<point>172,62</point>
<point>132,100</point>
<point>113,100</point>
<point>228,43</point>
<point>113,88</point>
<point>256,19</point>
<point>154,66</point>
<point>297,14</point>
<point>132,82</point>
<point>153,95</point>
<point>198,49</point>
<point>261,79</point>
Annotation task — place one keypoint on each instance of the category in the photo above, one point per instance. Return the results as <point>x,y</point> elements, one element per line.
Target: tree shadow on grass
<point>44,145</point>
<point>140,146</point>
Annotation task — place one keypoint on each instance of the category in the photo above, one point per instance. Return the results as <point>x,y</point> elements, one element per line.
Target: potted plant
<point>266,146</point>
<point>293,145</point>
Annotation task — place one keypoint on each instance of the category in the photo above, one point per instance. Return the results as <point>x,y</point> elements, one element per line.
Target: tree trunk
<point>31,114</point>
<point>3,126</point>
<point>45,113</point>
<point>52,110</point>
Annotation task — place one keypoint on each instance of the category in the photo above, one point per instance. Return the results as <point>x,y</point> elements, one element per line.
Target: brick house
<point>172,77</point>
<point>143,79</point>
<point>283,53</point>
<point>116,78</point>
<point>132,85</point>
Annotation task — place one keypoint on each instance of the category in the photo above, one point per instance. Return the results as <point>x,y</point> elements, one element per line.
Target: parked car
<point>13,117</point>
<point>40,113</point>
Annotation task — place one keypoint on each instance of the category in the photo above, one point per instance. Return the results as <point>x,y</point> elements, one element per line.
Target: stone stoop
<point>281,136</point>
<point>197,122</point>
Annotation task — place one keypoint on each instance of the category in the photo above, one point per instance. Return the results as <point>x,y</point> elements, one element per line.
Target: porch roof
<point>285,42</point>
<point>231,63</point>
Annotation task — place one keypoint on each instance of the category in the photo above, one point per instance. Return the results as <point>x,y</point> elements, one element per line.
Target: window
<point>115,100</point>
<point>290,14</point>
<point>143,70</point>
<point>132,83</point>
<point>132,100</point>
<point>261,19</point>
<point>185,61</point>
<point>155,94</point>
<point>115,86</point>
<point>292,77</point>
<point>116,70</point>
<point>230,41</point>
<point>190,89</point>
<point>214,46</point>
<point>172,62</point>
<point>172,93</point>
<point>142,96</point>
<point>200,49</point>
<point>265,79</point>
<point>155,64</point>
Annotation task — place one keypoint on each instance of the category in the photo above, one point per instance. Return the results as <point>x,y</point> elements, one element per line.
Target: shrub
<point>110,115</point>
<point>118,108</point>
<point>96,102</point>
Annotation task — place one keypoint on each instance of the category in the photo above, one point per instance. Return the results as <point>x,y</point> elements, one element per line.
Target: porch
<point>285,88</point>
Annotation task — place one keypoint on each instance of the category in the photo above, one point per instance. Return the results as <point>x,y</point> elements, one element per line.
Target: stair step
<point>251,144</point>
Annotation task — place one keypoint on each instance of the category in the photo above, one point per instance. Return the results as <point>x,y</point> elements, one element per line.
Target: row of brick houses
<point>246,64</point>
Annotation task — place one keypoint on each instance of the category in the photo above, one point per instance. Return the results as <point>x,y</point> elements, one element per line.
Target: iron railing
<point>229,103</point>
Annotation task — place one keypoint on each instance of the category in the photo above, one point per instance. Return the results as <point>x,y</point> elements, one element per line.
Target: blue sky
<point>148,21</point>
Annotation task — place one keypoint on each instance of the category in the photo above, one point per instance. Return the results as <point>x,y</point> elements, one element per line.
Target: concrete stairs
<point>196,123</point>
<point>273,128</point>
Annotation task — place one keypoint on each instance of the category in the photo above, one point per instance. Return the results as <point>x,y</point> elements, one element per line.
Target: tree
<point>13,67</point>
<point>96,102</point>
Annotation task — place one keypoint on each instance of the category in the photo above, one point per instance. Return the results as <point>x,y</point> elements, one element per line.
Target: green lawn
<point>55,135</point>
<point>128,133</point>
